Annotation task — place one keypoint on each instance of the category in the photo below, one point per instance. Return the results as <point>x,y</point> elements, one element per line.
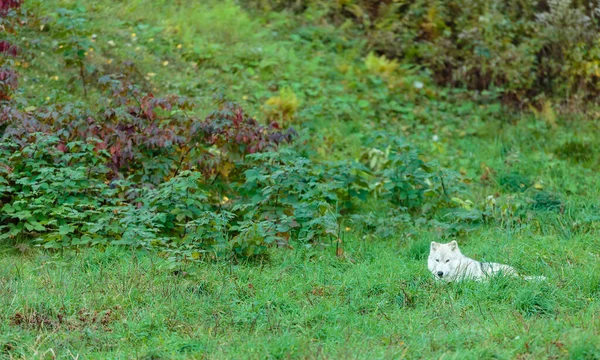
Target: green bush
<point>63,194</point>
<point>52,191</point>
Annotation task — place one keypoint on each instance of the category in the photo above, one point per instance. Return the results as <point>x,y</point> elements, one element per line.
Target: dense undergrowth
<point>134,169</point>
<point>128,167</point>
<point>526,51</point>
<point>140,170</point>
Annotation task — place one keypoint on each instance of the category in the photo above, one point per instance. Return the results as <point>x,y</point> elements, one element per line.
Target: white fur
<point>447,263</point>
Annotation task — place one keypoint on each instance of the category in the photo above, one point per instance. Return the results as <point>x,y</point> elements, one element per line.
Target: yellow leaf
<point>226,169</point>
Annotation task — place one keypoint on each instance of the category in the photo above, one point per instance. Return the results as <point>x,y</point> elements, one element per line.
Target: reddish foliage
<point>8,77</point>
<point>145,136</point>
<point>8,83</point>
<point>151,136</point>
<point>8,49</point>
<point>235,135</point>
<point>229,128</point>
<point>6,5</point>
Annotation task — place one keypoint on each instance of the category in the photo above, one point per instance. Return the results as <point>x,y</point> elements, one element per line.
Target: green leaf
<point>84,240</point>
<point>34,225</point>
<point>65,229</point>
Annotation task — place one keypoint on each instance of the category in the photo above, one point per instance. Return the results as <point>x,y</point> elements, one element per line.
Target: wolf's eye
<point>448,260</point>
<point>438,260</point>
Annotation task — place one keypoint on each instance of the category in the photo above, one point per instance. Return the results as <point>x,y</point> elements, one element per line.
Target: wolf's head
<point>444,260</point>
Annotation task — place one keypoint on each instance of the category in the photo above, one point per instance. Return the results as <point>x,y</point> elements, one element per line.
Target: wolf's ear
<point>453,245</point>
<point>434,246</point>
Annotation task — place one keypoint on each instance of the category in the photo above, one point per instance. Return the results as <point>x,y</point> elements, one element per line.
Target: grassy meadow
<point>365,293</point>
<point>303,304</point>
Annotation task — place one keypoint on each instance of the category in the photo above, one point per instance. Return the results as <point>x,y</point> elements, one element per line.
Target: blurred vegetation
<point>527,51</point>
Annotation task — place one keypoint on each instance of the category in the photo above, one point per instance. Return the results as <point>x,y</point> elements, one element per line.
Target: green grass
<point>379,301</point>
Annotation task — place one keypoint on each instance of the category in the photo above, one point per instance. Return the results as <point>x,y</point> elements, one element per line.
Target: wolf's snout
<point>440,273</point>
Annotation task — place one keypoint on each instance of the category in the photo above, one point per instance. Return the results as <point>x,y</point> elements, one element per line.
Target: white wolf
<point>447,263</point>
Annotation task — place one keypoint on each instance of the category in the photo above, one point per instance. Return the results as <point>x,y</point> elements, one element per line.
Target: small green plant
<point>294,193</point>
<point>514,181</point>
<point>74,44</point>
<point>405,179</point>
<point>531,302</point>
<point>544,200</point>
<point>180,200</point>
<point>380,65</point>
<point>576,150</point>
<point>282,107</point>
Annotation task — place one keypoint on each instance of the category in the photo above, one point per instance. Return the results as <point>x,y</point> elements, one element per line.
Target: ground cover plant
<point>262,180</point>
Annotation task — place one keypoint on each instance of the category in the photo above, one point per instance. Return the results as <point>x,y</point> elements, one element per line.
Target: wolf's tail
<point>534,278</point>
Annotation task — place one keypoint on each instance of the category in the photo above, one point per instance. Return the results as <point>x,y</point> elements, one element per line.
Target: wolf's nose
<point>440,273</point>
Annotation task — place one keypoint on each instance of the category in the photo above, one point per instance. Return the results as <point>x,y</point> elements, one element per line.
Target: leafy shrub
<point>405,179</point>
<point>9,17</point>
<point>51,190</point>
<point>59,194</point>
<point>136,128</point>
<point>283,106</point>
<point>63,168</point>
<point>299,197</point>
<point>6,48</point>
<point>208,232</point>
<point>380,65</point>
<point>306,199</point>
<point>235,135</point>
<point>6,6</point>
<point>8,83</point>
<point>385,227</point>
<point>71,43</point>
<point>63,186</point>
<point>179,200</point>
